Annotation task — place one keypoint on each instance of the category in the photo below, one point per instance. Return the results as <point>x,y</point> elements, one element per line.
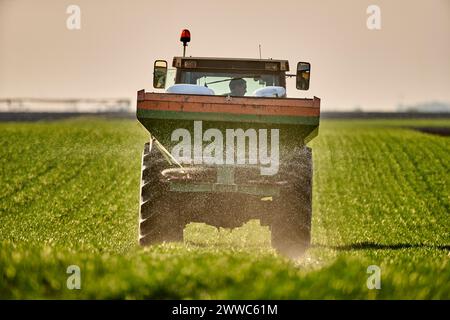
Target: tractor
<point>226,146</point>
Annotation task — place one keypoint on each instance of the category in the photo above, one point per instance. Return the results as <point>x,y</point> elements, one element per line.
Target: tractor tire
<point>291,225</point>
<point>160,219</point>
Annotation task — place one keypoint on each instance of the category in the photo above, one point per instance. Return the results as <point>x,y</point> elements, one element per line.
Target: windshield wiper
<point>218,81</point>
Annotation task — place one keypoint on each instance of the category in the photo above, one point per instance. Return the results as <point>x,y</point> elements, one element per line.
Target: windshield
<point>234,84</point>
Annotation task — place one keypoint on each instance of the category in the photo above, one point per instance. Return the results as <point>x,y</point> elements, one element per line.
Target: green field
<point>69,196</point>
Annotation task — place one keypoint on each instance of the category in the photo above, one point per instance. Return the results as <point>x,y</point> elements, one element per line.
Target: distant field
<point>69,196</point>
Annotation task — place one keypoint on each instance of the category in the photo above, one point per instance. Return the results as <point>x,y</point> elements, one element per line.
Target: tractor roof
<point>231,64</point>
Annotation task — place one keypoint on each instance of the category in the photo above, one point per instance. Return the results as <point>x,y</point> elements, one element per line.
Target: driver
<point>238,87</point>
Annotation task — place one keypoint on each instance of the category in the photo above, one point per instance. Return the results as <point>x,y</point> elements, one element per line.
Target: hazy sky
<point>407,61</point>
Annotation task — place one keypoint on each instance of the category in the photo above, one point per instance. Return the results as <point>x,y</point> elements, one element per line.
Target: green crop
<point>69,196</point>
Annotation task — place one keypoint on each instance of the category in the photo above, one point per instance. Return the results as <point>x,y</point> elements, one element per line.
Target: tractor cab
<point>228,76</point>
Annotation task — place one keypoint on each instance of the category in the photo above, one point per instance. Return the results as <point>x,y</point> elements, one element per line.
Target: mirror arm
<point>290,75</point>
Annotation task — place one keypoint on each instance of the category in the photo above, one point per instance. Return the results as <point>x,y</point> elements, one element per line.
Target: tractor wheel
<point>291,227</point>
<point>159,217</point>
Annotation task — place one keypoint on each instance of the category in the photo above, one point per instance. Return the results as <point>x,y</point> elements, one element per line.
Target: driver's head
<point>238,87</point>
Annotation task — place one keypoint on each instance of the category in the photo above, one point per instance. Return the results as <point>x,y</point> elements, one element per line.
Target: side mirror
<point>303,70</point>
<point>159,74</point>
